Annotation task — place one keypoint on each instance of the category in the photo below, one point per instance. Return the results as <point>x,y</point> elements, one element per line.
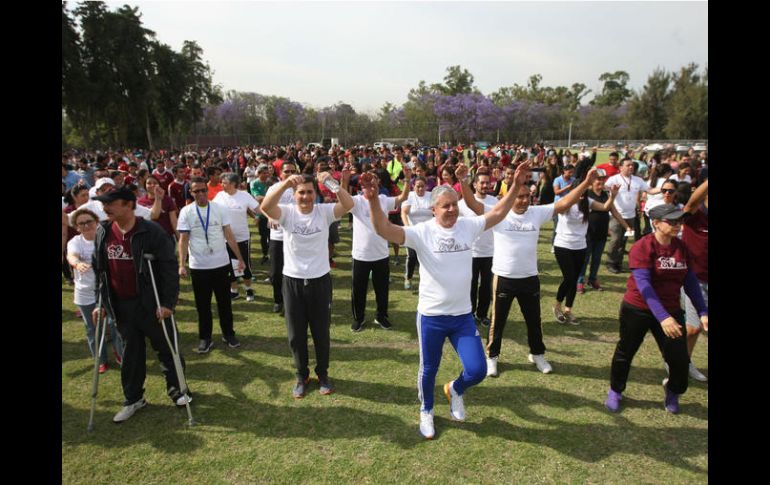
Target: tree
<point>647,110</point>
<point>614,91</point>
<point>688,107</point>
<point>456,81</point>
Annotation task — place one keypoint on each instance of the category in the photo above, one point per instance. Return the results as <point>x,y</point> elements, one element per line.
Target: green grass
<point>523,427</point>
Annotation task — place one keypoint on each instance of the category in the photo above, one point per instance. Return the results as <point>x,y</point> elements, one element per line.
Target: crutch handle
<point>149,257</point>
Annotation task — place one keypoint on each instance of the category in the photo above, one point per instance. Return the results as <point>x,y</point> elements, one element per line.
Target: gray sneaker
<point>128,411</point>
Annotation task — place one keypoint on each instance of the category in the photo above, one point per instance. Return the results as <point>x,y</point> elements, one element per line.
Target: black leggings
<point>411,262</point>
<point>571,263</point>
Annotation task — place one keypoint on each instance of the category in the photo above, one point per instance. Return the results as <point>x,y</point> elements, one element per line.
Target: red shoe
<point>595,285</point>
<point>102,368</point>
<point>581,288</point>
<point>332,263</point>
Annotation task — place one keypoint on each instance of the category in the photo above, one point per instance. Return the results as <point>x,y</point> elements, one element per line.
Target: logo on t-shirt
<point>665,262</point>
<point>448,245</point>
<point>520,226</point>
<point>305,230</point>
<point>117,251</point>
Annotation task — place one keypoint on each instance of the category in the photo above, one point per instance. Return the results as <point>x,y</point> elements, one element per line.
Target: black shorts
<point>396,219</point>
<point>334,232</point>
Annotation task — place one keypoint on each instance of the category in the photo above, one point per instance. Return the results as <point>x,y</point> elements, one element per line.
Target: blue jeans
<point>594,252</point>
<point>117,340</point>
<point>462,333</point>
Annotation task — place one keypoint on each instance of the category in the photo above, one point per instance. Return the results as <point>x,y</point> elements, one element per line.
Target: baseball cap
<point>666,211</point>
<point>119,194</point>
<point>102,181</point>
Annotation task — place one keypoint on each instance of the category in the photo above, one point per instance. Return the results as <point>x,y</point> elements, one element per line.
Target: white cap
<point>102,181</point>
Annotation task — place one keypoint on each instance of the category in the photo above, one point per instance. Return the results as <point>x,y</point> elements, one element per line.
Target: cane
<point>173,348</point>
<point>98,346</point>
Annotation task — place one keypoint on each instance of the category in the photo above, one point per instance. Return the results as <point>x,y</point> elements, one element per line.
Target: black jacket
<point>149,238</point>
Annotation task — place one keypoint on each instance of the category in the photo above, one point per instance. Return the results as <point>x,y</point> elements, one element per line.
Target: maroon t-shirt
<point>164,178</point>
<point>695,235</point>
<point>176,192</point>
<point>121,263</point>
<point>668,265</point>
<point>167,205</point>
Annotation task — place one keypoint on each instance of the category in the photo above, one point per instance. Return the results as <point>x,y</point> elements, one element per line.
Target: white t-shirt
<point>276,232</point>
<point>420,208</point>
<point>625,201</point>
<point>85,283</point>
<point>675,178</point>
<point>446,264</point>
<point>516,242</point>
<point>484,246</point>
<point>237,205</point>
<point>367,245</point>
<point>97,208</point>
<point>306,240</point>
<point>655,199</point>
<point>203,255</point>
<point>571,230</point>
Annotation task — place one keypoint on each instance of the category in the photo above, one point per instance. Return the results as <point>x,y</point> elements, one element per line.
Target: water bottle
<point>332,185</point>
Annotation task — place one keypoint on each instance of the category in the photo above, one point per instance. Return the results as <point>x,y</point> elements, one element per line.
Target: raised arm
<point>405,209</point>
<point>344,200</point>
<point>605,207</point>
<point>562,205</point>
<point>382,226</point>
<point>504,205</point>
<point>700,194</point>
<point>461,172</point>
<point>407,187</point>
<point>269,205</point>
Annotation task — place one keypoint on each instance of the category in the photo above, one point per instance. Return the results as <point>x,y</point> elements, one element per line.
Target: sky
<point>368,53</point>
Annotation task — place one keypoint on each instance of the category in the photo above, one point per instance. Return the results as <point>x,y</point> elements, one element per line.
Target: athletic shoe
<point>559,314</point>
<point>492,367</point>
<point>426,424</point>
<point>205,345</point>
<point>332,263</point>
<point>456,406</point>
<point>356,326</point>
<point>571,318</point>
<point>231,341</point>
<point>485,321</point>
<point>266,280</point>
<point>596,286</point>
<point>277,307</point>
<point>383,322</point>
<point>78,314</point>
<point>102,368</point>
<point>553,251</point>
<point>696,374</point>
<point>613,401</point>
<point>396,260</point>
<point>128,411</point>
<point>183,399</point>
<point>326,386</point>
<point>671,401</point>
<point>407,284</point>
<point>234,295</point>
<point>542,364</point>
<point>300,388</point>
<point>581,288</point>
<point>613,269</point>
<point>250,295</point>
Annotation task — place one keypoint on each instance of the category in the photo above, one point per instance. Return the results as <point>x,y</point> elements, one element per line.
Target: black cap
<point>118,194</point>
<point>666,211</point>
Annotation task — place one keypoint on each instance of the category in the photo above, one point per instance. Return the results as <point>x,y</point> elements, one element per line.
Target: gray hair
<point>233,178</point>
<point>439,191</point>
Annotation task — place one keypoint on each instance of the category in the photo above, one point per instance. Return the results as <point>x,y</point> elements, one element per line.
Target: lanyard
<point>206,225</point>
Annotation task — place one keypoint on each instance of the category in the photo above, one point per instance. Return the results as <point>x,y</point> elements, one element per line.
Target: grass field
<point>523,427</point>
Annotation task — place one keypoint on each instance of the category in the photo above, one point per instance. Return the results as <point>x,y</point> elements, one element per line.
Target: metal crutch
<point>98,346</point>
<point>173,348</point>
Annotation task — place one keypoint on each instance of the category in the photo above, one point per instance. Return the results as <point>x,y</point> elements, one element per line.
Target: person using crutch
<point>126,288</point>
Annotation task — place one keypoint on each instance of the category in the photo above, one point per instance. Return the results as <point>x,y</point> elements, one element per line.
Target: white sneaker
<point>128,411</point>
<point>456,406</point>
<point>426,424</point>
<point>183,400</point>
<point>696,374</point>
<point>542,364</point>
<point>492,367</point>
<point>407,284</point>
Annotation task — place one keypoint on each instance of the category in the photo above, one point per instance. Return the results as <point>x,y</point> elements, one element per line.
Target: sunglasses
<point>673,222</point>
<point>199,191</point>
<point>668,191</point>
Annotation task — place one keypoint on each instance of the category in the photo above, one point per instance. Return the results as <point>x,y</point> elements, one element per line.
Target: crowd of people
<point>469,218</point>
